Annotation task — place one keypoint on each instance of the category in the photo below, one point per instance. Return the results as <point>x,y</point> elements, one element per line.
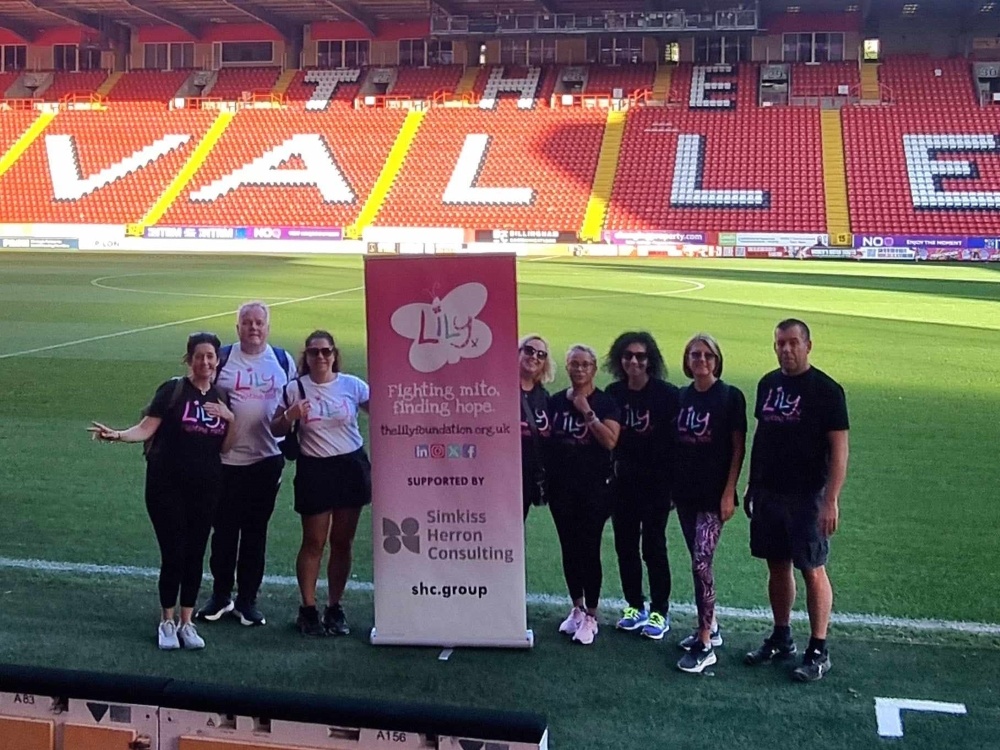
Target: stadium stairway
<point>198,156</point>
<point>393,164</point>
<point>870,89</point>
<point>284,81</point>
<point>467,83</point>
<point>838,219</point>
<point>604,177</point>
<point>21,145</point>
<point>662,82</point>
<point>109,83</point>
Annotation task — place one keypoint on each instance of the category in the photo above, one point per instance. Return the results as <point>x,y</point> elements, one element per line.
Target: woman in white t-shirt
<point>333,476</point>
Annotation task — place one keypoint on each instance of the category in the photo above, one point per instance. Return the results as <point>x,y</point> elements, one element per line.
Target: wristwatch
<point>589,416</point>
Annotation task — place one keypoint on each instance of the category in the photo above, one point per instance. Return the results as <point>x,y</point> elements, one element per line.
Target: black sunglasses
<point>531,351</point>
<point>639,357</point>
<point>315,351</point>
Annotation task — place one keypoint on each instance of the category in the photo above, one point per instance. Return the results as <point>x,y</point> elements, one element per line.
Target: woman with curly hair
<point>642,467</point>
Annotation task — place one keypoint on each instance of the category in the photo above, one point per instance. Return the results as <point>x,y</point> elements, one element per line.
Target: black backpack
<point>149,445</point>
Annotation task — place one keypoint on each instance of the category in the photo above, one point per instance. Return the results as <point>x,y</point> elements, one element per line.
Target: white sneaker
<point>188,635</point>
<point>587,631</point>
<point>573,621</point>
<point>166,635</point>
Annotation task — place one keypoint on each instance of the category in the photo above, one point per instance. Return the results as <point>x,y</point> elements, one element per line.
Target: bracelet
<point>118,435</point>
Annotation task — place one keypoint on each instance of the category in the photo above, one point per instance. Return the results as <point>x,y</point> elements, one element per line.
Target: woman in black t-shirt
<point>584,426</point>
<point>534,368</point>
<point>711,442</point>
<point>186,427</point>
<point>642,461</point>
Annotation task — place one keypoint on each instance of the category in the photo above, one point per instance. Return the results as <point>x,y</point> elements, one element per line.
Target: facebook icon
<point>469,450</point>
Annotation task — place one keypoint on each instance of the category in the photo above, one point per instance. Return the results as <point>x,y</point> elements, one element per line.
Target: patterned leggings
<point>701,532</point>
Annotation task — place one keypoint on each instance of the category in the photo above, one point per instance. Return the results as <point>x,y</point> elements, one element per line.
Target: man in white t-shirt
<point>251,375</point>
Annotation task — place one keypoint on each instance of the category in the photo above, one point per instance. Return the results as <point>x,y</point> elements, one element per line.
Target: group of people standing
<point>643,447</point>
<point>216,444</point>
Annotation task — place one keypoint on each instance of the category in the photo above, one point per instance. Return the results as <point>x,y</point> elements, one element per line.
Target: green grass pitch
<point>90,336</point>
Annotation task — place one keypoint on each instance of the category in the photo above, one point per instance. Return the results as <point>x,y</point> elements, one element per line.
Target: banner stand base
<point>377,639</point>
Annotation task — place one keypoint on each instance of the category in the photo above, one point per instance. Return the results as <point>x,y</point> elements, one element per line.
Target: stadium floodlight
<point>910,9</point>
<point>987,7</point>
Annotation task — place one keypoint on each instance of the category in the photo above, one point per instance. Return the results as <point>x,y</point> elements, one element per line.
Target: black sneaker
<point>335,621</point>
<point>769,651</point>
<point>697,658</point>
<point>214,608</point>
<point>814,665</point>
<point>247,613</point>
<point>308,622</point>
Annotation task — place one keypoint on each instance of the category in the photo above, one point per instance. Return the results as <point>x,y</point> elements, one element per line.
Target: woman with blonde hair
<point>711,443</point>
<point>584,426</point>
<point>534,368</point>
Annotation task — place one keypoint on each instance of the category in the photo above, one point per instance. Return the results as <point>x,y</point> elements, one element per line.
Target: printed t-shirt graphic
<point>252,383</point>
<point>705,423</point>
<point>331,427</point>
<point>189,438</point>
<point>575,457</point>
<point>794,414</point>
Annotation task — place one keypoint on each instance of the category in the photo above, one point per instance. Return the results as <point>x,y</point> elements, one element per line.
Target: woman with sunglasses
<point>584,430</point>
<point>186,427</point>
<point>535,368</point>
<point>711,442</point>
<point>642,460</point>
<point>332,477</point>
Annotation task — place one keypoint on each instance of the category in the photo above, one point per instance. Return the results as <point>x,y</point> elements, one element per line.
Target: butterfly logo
<point>446,330</point>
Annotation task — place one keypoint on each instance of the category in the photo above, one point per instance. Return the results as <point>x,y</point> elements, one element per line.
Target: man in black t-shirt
<point>798,465</point>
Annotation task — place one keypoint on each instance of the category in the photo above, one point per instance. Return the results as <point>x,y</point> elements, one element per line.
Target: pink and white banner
<point>448,531</point>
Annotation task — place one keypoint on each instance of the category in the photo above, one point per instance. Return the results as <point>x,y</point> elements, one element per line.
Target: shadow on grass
<point>973,290</point>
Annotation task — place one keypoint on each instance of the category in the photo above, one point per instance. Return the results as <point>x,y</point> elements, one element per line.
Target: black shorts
<point>334,483</point>
<point>786,527</point>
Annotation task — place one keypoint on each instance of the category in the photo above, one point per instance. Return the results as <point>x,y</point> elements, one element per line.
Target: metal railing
<point>580,23</point>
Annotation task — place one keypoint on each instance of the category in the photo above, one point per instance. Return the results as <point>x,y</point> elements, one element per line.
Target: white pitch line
<point>168,325</point>
<point>546,600</point>
<point>696,286</point>
<point>97,282</point>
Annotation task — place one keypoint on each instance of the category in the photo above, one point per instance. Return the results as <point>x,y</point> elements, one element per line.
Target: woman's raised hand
<point>100,431</point>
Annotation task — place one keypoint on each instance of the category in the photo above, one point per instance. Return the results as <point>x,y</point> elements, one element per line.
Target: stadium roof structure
<point>27,17</point>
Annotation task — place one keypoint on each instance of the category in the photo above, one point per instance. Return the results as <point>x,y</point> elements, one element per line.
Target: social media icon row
<point>441,450</point>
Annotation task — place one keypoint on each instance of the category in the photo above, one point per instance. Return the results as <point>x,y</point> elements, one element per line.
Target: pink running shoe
<point>587,631</point>
<point>573,621</point>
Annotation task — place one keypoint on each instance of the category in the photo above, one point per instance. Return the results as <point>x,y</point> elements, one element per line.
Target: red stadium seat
<point>358,150</point>
<point>103,138</point>
<point>551,152</point>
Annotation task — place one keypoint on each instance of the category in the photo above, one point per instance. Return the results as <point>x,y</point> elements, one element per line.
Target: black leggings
<point>580,524</point>
<point>640,524</point>
<point>239,543</point>
<point>181,510</point>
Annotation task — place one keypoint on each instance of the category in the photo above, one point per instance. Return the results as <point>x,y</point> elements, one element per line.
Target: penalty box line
<point>546,600</point>
<point>172,323</point>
